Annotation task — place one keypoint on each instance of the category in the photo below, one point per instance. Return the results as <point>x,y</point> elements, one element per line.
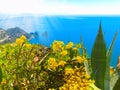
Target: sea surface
<point>68,28</point>
<point>72,28</point>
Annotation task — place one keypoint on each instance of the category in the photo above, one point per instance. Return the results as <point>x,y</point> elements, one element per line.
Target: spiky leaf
<point>98,59</point>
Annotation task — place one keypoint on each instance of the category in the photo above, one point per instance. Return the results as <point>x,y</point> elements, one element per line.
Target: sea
<point>67,28</point>
<point>73,28</point>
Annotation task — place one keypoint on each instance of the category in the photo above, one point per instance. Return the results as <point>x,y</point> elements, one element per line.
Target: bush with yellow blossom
<point>36,67</point>
<point>66,70</point>
<point>16,61</point>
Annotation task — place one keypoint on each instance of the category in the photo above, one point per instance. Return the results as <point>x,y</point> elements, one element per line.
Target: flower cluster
<point>64,53</point>
<point>76,79</point>
<point>52,63</point>
<point>75,76</point>
<point>69,45</point>
<point>56,46</point>
<point>69,71</point>
<point>80,59</point>
<point>62,63</point>
<point>21,40</point>
<point>28,45</point>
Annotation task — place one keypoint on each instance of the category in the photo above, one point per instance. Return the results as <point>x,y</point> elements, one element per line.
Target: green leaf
<point>99,59</point>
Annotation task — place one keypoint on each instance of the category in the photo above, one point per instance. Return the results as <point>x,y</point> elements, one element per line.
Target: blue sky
<point>96,7</point>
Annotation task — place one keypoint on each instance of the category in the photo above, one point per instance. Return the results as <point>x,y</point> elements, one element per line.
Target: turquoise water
<point>71,28</point>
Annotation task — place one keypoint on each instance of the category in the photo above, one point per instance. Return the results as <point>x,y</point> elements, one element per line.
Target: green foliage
<point>1,76</point>
<point>98,59</point>
<point>20,70</point>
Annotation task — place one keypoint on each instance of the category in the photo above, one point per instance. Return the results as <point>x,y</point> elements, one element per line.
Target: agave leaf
<point>93,87</point>
<point>107,73</point>
<point>99,59</point>
<point>109,52</point>
<point>114,77</point>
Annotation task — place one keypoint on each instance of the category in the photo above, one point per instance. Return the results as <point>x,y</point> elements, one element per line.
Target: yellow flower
<point>62,63</point>
<point>50,60</point>
<point>63,53</point>
<point>69,45</point>
<point>19,41</point>
<point>111,70</point>
<point>23,37</point>
<point>87,76</point>
<point>80,59</point>
<point>52,63</point>
<point>28,45</point>
<point>68,71</point>
<point>75,48</point>
<point>57,45</point>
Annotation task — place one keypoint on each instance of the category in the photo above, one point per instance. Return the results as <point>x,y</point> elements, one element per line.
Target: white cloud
<point>58,7</point>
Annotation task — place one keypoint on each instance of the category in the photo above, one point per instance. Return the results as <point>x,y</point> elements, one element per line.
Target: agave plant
<point>100,62</point>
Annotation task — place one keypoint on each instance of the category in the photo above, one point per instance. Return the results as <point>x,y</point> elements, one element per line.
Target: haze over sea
<point>69,28</point>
